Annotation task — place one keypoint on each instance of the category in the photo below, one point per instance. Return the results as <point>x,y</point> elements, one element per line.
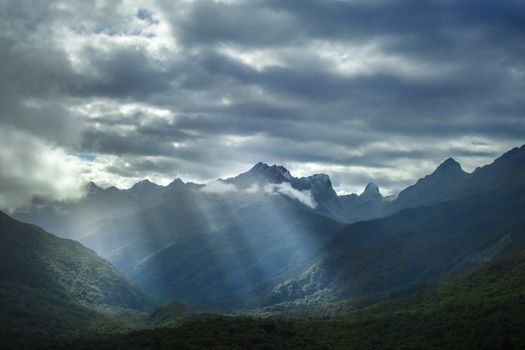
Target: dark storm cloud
<point>246,23</point>
<point>365,89</point>
<point>126,73</point>
<point>33,80</point>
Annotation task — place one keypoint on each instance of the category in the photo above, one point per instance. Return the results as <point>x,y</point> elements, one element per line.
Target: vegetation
<point>55,286</point>
<point>484,309</point>
<point>411,247</point>
<point>169,315</point>
<point>403,278</point>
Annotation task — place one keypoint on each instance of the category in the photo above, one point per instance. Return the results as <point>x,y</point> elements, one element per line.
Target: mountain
<point>447,178</point>
<point>318,186</point>
<point>481,309</point>
<point>449,181</point>
<point>242,236</point>
<point>440,268</point>
<point>484,220</point>
<point>261,174</point>
<point>183,240</point>
<point>243,243</point>
<point>146,191</point>
<point>507,170</point>
<point>498,282</point>
<point>76,218</point>
<point>237,245</point>
<point>371,193</point>
<point>55,286</point>
<point>169,315</point>
<point>344,209</point>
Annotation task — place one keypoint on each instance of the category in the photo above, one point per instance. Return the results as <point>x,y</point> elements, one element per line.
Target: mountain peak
<point>258,167</point>
<point>261,173</point>
<point>271,173</point>
<point>319,184</point>
<point>92,188</point>
<point>447,178</point>
<point>371,192</point>
<point>143,183</point>
<point>264,169</point>
<point>91,185</point>
<point>517,153</point>
<point>450,165</point>
<point>371,188</point>
<point>320,178</point>
<point>176,182</point>
<point>285,172</point>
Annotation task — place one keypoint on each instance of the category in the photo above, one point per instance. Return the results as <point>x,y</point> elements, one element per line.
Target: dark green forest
<point>483,309</point>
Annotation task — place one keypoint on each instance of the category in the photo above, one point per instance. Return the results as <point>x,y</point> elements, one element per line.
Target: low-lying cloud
<point>218,187</point>
<point>305,196</point>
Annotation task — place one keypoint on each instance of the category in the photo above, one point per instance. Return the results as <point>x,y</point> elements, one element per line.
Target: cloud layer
<point>218,187</point>
<point>365,91</point>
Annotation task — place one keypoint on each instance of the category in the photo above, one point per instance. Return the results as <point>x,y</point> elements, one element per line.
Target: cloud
<point>252,189</point>
<point>32,168</point>
<point>365,91</point>
<point>218,187</point>
<point>284,188</point>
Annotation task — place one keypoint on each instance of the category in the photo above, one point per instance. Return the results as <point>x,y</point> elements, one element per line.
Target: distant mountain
<point>240,237</point>
<point>261,174</point>
<point>77,218</point>
<point>55,286</point>
<point>447,178</point>
<point>449,181</point>
<point>146,191</point>
<point>507,170</point>
<point>371,194</point>
<point>481,220</point>
<point>340,208</point>
<point>214,251</point>
<point>410,247</point>
<point>181,241</point>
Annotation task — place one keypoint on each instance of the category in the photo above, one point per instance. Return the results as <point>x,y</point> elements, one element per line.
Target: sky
<point>365,91</point>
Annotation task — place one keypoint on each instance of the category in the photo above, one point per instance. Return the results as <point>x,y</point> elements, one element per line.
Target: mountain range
<point>267,238</point>
<point>467,219</point>
<point>268,243</point>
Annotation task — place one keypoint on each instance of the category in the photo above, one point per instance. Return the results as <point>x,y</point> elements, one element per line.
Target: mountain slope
<point>413,246</point>
<point>449,181</point>
<point>265,226</point>
<point>214,251</point>
<point>482,219</point>
<point>55,285</point>
<point>482,309</point>
<point>447,178</point>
